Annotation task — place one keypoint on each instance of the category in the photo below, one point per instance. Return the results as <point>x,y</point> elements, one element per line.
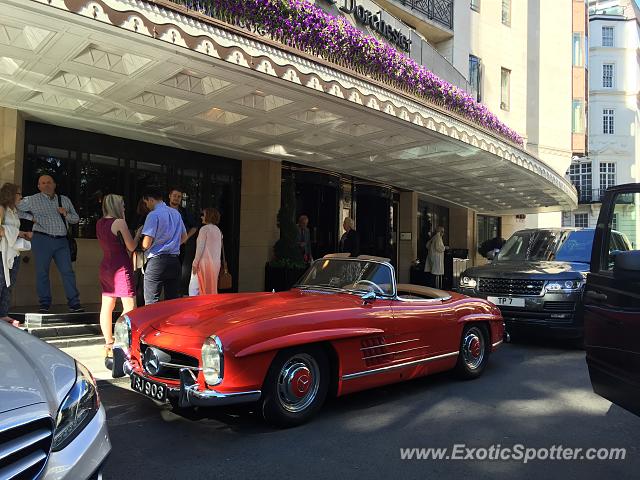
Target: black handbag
<point>73,245</point>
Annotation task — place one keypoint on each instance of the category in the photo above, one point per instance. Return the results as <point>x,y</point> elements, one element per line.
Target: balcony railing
<point>440,11</point>
<point>590,196</point>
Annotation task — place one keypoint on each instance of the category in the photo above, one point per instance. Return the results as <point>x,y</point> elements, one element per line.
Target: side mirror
<point>368,298</point>
<point>491,256</point>
<point>627,266</point>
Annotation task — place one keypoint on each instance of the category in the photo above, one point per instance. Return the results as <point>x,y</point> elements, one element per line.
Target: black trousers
<point>161,272</point>
<point>187,254</point>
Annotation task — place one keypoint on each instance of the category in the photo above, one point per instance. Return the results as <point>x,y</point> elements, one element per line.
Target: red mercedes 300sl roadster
<point>346,326</point>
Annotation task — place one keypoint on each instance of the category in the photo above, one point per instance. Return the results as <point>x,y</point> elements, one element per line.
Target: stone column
<point>408,224</point>
<point>259,205</point>
<point>462,230</point>
<point>11,145</point>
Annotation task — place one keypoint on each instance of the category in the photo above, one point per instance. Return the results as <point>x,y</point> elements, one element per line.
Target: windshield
<point>547,245</point>
<point>349,274</point>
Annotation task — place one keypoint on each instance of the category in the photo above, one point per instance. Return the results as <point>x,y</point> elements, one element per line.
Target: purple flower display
<point>306,27</point>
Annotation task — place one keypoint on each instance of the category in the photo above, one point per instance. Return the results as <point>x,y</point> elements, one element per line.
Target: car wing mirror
<point>368,298</point>
<point>627,266</point>
<point>491,255</point>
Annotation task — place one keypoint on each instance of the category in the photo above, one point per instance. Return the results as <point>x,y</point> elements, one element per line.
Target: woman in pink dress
<point>116,272</point>
<point>206,264</point>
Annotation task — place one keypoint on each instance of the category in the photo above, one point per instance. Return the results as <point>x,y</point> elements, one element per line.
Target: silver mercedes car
<point>52,425</point>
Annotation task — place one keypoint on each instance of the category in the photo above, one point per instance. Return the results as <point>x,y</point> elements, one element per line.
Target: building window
<point>88,166</point>
<point>577,116</point>
<point>608,121</point>
<point>607,175</point>
<point>581,220</point>
<point>505,86</point>
<point>577,50</point>
<point>506,12</point>
<point>566,219</point>
<point>614,222</point>
<point>607,75</point>
<point>580,177</point>
<point>607,36</point>
<point>475,5</point>
<point>475,77</point>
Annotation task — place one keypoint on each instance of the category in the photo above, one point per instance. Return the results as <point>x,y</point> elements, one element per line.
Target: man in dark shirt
<point>350,241</point>
<point>187,249</point>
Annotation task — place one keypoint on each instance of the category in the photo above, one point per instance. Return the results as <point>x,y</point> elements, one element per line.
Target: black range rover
<point>537,279</point>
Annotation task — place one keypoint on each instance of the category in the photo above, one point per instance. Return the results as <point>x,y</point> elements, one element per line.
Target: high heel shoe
<point>108,355</point>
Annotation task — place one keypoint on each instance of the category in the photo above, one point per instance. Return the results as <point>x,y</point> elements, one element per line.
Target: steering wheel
<point>371,284</point>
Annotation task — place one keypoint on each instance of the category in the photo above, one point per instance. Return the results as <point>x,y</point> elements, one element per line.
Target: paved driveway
<point>532,394</point>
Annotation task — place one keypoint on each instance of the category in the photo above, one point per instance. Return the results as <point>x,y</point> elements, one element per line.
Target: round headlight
<point>212,360</point>
<point>468,282</point>
<point>569,285</point>
<point>554,287</point>
<point>77,409</point>
<point>122,332</point>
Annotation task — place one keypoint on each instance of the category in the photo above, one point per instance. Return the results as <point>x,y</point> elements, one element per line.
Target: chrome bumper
<point>189,393</point>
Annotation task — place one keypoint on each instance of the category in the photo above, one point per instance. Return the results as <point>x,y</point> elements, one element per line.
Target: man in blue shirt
<point>163,233</point>
<point>51,214</point>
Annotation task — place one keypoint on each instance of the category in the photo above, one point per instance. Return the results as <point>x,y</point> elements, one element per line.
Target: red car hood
<point>212,314</point>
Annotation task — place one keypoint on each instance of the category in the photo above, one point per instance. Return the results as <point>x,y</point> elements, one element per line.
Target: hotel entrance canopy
<point>158,72</point>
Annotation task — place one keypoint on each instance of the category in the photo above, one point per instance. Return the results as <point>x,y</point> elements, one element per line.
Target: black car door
<point>612,300</point>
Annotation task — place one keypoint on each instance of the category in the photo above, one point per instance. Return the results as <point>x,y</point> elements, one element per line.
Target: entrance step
<point>61,328</point>
<point>64,330</point>
<point>76,341</point>
<point>30,316</point>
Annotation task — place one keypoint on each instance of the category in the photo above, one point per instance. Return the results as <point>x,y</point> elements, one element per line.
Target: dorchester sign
<point>375,21</point>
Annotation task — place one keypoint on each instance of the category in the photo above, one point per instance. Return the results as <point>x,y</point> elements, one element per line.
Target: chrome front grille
<point>507,286</point>
<point>25,448</point>
<point>170,362</point>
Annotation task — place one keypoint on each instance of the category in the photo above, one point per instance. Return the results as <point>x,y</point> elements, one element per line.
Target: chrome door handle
<point>596,296</point>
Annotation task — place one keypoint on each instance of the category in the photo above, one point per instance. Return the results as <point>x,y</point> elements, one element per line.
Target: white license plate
<point>151,389</point>
<point>507,301</point>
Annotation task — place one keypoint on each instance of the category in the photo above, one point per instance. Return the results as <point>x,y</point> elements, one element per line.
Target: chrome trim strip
<point>23,442</point>
<point>20,466</point>
<point>197,397</point>
<point>19,423</point>
<point>423,300</point>
<point>497,343</point>
<point>389,344</point>
<point>350,376</point>
<point>175,365</point>
<point>395,352</point>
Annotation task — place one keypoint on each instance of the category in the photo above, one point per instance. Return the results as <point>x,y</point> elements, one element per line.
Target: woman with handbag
<point>206,264</point>
<point>137,256</point>
<point>116,273</point>
<point>12,242</point>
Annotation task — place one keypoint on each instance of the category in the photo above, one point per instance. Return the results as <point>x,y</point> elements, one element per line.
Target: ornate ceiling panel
<point>151,73</point>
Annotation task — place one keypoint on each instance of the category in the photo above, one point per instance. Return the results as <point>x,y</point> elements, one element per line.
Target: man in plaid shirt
<point>50,240</point>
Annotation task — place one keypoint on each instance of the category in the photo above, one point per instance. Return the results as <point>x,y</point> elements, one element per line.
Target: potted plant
<point>288,263</point>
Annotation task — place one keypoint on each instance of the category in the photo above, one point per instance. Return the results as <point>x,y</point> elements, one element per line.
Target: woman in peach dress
<point>206,264</point>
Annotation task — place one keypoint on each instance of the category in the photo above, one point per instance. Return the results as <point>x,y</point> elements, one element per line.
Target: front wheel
<point>296,386</point>
<point>474,351</point>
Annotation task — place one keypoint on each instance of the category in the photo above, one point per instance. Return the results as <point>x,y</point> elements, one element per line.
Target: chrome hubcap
<point>298,382</point>
<point>473,348</point>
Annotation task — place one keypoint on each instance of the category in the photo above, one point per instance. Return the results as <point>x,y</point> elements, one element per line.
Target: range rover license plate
<point>155,390</point>
<point>507,301</point>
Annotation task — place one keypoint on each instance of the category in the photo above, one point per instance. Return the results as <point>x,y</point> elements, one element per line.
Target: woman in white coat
<point>10,247</point>
<point>435,256</point>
